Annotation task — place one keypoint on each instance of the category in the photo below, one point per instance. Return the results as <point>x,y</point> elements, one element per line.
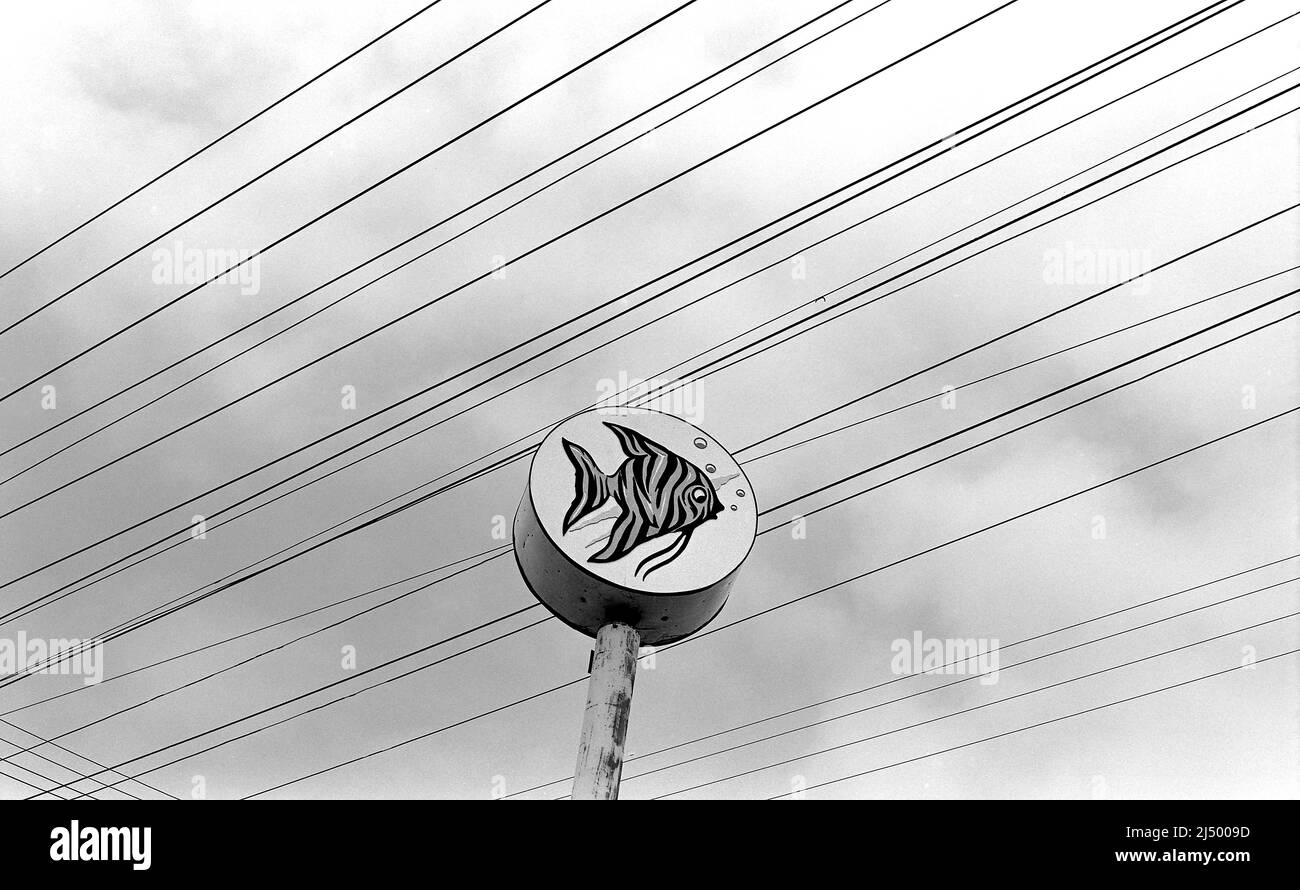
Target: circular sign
<point>636,516</point>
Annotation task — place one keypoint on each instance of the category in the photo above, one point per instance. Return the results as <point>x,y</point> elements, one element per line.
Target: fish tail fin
<point>591,487</point>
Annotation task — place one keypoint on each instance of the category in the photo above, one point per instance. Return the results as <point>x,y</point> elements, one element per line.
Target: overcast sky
<point>98,98</point>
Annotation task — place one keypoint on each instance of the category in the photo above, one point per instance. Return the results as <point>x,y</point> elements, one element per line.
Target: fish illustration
<point>658,492</point>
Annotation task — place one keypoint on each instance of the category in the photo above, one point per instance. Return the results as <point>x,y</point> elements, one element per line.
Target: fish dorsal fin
<point>636,445</point>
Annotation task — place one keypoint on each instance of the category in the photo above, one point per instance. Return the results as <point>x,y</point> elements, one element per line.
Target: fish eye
<point>698,495</point>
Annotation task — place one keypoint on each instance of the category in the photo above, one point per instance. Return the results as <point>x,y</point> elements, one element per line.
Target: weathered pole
<point>609,704</point>
<point>631,530</point>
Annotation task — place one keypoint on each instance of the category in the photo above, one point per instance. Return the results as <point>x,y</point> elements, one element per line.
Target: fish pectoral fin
<point>606,513</point>
<point>628,532</point>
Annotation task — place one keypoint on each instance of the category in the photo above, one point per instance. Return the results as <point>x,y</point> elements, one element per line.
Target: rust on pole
<point>609,705</point>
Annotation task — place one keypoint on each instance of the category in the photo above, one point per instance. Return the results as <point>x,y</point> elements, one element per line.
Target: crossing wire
<point>425,253</point>
<point>542,429</point>
<point>62,766</point>
<point>57,796</point>
<point>308,469</point>
<point>189,600</point>
<point>716,365</point>
<point>1058,391</point>
<point>381,518</point>
<point>666,388</point>
<point>1016,367</point>
<point>752,460</point>
<point>261,653</point>
<point>1043,723</point>
<point>280,240</point>
<point>502,552</point>
<point>951,683</point>
<point>423,232</point>
<point>471,281</point>
<point>689,639</point>
<point>408,506</point>
<point>386,664</point>
<point>940,669</point>
<point>23,781</point>
<point>122,259</point>
<point>248,633</point>
<point>982,706</point>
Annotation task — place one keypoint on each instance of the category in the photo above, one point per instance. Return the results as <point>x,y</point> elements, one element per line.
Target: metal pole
<point>604,722</point>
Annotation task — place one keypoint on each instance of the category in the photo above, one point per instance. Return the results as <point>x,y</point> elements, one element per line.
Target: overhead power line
<point>656,395</point>
<point>226,135</point>
<point>1079,403</point>
<point>717,364</point>
<point>279,647</point>
<point>752,460</point>
<point>1044,722</point>
<point>994,526</point>
<point>1016,367</point>
<point>186,601</point>
<point>80,775</point>
<point>317,690</point>
<point>1046,396</point>
<point>664,389</point>
<point>801,598</point>
<point>377,519</point>
<point>463,210</point>
<point>903,677</point>
<point>372,281</point>
<point>21,781</point>
<point>308,469</point>
<point>52,781</point>
<point>982,706</point>
<point>667,388</point>
<point>259,629</point>
<point>947,457</point>
<point>155,239</point>
<point>916,555</point>
<point>968,677</point>
<point>398,510</point>
<point>88,435</point>
<point>471,281</point>
<point>80,439</point>
<point>285,237</point>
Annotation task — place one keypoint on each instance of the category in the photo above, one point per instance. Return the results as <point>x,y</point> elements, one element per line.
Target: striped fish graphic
<point>659,493</point>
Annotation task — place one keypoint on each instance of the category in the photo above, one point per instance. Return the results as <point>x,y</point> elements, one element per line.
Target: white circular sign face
<point>634,516</point>
<point>643,500</point>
